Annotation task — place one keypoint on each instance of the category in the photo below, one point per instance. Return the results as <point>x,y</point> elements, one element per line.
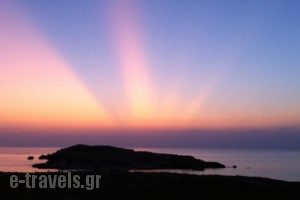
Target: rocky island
<point>113,164</point>
<point>84,157</point>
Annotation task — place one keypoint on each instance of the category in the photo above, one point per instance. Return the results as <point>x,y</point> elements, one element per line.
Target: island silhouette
<point>85,157</point>
<point>117,181</point>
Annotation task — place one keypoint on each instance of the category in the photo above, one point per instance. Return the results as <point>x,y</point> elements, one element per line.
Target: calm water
<point>15,159</point>
<point>284,165</point>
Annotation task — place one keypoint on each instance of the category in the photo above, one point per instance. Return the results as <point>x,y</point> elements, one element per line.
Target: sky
<point>149,65</point>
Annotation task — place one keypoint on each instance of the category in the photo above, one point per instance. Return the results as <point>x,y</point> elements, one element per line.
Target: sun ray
<point>37,87</point>
<point>132,60</point>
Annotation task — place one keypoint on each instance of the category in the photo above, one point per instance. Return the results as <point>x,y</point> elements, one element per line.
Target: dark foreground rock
<point>83,157</point>
<point>122,185</point>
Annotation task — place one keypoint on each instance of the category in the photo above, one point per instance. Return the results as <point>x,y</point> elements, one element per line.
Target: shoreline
<point>120,184</point>
<point>113,164</point>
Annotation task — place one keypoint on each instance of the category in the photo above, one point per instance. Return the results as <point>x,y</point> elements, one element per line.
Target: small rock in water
<point>234,166</point>
<point>30,158</point>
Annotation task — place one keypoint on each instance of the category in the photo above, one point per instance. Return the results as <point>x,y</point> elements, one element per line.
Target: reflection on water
<point>276,164</point>
<point>15,159</point>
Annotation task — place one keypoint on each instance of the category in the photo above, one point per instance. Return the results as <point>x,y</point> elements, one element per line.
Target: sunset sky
<point>149,64</point>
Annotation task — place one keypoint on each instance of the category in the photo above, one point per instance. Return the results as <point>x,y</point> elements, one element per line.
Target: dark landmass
<point>124,185</point>
<point>84,157</point>
<point>116,182</point>
<point>30,158</point>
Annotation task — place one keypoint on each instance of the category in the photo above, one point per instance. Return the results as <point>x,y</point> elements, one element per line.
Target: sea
<point>275,164</point>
